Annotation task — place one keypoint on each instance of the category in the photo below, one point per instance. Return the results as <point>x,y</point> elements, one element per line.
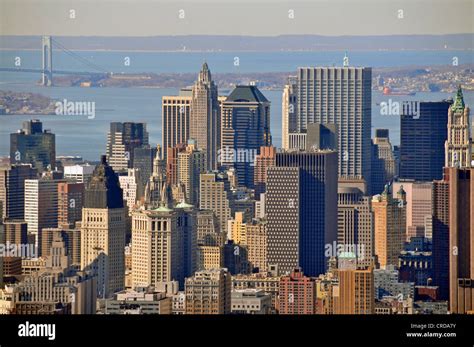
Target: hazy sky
<point>231,17</point>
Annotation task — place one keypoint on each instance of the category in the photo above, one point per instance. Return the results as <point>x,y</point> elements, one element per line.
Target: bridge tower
<point>47,49</point>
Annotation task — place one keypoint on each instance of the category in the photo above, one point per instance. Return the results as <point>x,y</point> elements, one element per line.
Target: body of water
<point>79,135</point>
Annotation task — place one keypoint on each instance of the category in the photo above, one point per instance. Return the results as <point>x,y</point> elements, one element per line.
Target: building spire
<point>164,202</point>
<point>458,104</point>
<point>157,163</point>
<point>205,73</point>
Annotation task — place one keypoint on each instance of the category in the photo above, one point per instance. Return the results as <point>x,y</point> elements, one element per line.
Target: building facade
<point>245,128</point>
<point>103,230</point>
<point>458,143</point>
<point>422,137</point>
<point>209,292</point>
<point>33,145</point>
<point>175,111</point>
<point>461,239</point>
<point>205,127</point>
<point>301,207</point>
<point>389,226</point>
<point>122,140</point>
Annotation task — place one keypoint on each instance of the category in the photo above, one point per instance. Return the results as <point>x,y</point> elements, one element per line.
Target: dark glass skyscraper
<point>422,138</point>
<point>143,158</point>
<point>245,128</point>
<point>12,189</point>
<point>32,145</point>
<point>122,140</point>
<point>301,208</point>
<point>440,235</point>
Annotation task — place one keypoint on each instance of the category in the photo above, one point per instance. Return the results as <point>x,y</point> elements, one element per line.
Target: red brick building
<point>297,294</point>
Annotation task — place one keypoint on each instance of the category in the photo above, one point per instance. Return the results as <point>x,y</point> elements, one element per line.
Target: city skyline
<point>198,163</point>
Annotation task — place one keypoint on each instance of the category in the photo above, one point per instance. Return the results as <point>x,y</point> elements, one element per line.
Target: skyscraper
<point>418,207</point>
<point>461,239</point>
<point>297,294</point>
<point>390,225</point>
<point>189,216</point>
<point>15,231</point>
<point>458,145</point>
<point>175,119</point>
<point>342,96</point>
<point>41,206</point>
<point>204,118</point>
<point>210,241</point>
<point>422,137</point>
<point>103,230</point>
<point>70,201</point>
<point>122,140</point>
<point>157,245</point>
<point>70,235</point>
<point>356,289</point>
<point>265,159</point>
<point>257,246</point>
<point>172,163</point>
<point>384,167</point>
<point>2,240</point>
<point>32,145</point>
<point>191,163</point>
<point>440,236</point>
<point>152,195</point>
<point>289,114</point>
<point>356,225</point>
<point>131,187</point>
<point>143,160</point>
<point>301,207</point>
<point>245,128</point>
<point>238,229</point>
<point>79,173</point>
<point>12,189</point>
<point>215,195</point>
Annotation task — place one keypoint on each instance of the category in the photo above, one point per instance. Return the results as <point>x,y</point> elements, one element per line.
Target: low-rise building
<point>250,301</point>
<point>266,282</point>
<point>139,301</point>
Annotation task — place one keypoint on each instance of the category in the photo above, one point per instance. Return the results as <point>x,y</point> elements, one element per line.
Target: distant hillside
<point>252,43</point>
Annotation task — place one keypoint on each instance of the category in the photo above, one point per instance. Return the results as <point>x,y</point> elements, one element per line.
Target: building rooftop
<point>246,94</point>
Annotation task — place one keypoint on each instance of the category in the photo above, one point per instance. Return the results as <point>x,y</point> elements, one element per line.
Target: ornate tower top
<point>458,104</point>
<point>205,74</point>
<point>401,194</point>
<point>458,143</point>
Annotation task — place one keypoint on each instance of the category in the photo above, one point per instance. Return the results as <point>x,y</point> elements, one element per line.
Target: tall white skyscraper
<point>41,206</point>
<point>205,116</point>
<point>341,96</point>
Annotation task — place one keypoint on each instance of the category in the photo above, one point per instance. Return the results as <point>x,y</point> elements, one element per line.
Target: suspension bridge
<point>47,70</point>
